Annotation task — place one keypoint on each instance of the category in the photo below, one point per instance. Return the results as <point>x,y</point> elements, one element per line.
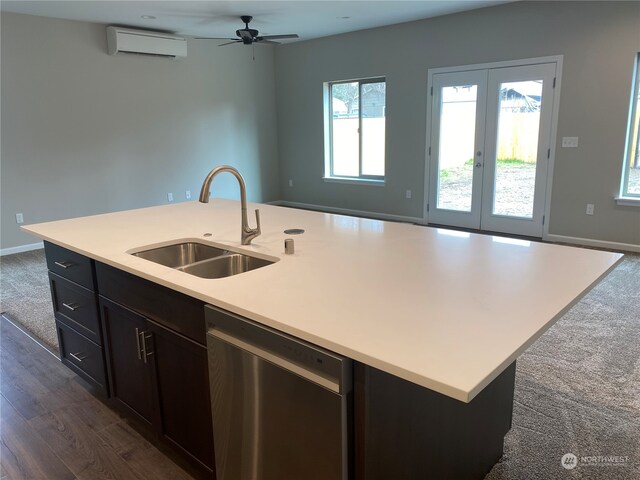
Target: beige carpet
<point>578,390</point>
<point>25,297</point>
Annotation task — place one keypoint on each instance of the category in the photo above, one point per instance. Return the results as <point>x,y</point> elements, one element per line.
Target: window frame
<point>329,170</point>
<point>633,131</point>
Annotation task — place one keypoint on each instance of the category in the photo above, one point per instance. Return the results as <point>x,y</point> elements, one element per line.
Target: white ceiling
<point>308,18</point>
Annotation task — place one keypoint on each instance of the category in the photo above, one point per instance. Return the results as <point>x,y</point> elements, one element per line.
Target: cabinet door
<point>183,392</point>
<point>130,371</point>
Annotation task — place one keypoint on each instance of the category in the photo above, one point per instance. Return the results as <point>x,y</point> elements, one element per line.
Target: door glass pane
<point>632,185</point>
<point>345,141</point>
<point>517,148</point>
<point>456,147</point>
<point>373,120</point>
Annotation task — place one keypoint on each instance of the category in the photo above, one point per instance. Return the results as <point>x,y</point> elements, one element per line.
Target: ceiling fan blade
<point>214,38</point>
<point>291,35</point>
<point>269,42</point>
<point>229,43</point>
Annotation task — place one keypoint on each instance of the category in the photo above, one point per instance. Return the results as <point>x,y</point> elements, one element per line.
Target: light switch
<point>569,142</point>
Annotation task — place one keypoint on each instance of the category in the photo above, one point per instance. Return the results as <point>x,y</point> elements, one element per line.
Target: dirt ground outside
<point>514,189</point>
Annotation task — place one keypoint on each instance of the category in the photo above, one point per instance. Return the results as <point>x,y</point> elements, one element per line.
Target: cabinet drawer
<point>82,356</point>
<point>76,306</point>
<point>70,265</point>
<point>174,310</point>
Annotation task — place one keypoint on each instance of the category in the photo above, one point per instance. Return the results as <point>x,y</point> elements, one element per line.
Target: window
<point>355,129</point>
<point>630,188</point>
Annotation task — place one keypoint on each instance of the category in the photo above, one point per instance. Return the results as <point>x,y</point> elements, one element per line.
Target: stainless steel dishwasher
<point>280,406</point>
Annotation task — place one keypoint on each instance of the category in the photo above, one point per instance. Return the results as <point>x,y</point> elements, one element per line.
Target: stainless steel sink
<point>225,265</point>
<point>203,260</point>
<point>181,254</point>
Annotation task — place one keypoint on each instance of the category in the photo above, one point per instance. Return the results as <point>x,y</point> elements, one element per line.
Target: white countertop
<point>444,309</point>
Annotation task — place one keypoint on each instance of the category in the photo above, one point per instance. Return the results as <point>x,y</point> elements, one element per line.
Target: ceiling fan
<point>249,36</point>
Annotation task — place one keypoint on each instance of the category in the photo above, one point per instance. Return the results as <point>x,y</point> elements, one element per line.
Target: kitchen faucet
<point>248,233</point>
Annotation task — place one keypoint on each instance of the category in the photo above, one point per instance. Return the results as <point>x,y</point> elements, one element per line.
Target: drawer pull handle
<point>71,306</point>
<point>138,343</point>
<point>78,356</point>
<point>64,264</point>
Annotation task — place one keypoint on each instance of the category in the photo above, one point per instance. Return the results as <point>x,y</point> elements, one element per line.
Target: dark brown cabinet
<point>72,281</point>
<point>82,356</point>
<point>157,361</point>
<point>130,371</point>
<point>141,344</point>
<point>76,306</point>
<point>182,379</point>
<point>161,378</point>
<point>70,265</point>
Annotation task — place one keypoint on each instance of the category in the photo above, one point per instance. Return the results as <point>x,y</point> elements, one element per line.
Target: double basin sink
<point>203,260</point>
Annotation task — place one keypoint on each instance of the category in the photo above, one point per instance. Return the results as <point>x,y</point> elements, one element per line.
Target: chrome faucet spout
<point>247,233</point>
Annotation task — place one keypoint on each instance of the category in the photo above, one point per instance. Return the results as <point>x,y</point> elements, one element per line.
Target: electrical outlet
<point>19,218</point>
<point>408,194</point>
<point>590,208</point>
<point>170,197</point>
<point>187,194</point>
<point>290,183</point>
<point>570,142</point>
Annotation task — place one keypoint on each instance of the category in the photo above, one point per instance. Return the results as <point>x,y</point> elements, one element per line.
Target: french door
<point>489,148</point>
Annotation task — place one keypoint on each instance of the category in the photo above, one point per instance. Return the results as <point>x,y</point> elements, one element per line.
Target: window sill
<point>628,201</point>
<point>355,181</point>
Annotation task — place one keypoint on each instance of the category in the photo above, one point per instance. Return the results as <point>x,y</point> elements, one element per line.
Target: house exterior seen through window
<point>355,145</point>
<point>631,173</point>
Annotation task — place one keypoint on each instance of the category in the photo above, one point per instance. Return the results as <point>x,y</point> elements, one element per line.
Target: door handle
<point>145,352</point>
<point>138,343</point>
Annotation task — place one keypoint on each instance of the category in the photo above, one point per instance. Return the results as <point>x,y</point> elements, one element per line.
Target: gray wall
<point>599,41</point>
<point>84,132</point>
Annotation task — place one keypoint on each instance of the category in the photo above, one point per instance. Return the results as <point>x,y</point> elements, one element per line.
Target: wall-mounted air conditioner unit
<point>143,42</point>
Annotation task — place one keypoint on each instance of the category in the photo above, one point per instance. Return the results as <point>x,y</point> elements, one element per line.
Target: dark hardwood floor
<point>54,428</point>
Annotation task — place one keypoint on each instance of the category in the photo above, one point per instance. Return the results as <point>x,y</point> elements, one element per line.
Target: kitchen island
<point>434,319</point>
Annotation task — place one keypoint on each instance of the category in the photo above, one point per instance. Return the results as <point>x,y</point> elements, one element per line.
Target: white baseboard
<point>346,211</point>
<point>627,247</point>
<point>21,248</point>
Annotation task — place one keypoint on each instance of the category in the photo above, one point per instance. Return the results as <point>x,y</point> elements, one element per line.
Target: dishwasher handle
<point>281,361</point>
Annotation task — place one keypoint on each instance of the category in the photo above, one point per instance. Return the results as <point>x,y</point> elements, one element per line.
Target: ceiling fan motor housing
<point>247,35</point>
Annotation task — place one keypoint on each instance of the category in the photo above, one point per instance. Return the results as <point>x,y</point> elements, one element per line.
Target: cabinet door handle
<point>78,356</point>
<point>138,343</point>
<point>66,264</point>
<point>145,352</point>
<point>71,306</point>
